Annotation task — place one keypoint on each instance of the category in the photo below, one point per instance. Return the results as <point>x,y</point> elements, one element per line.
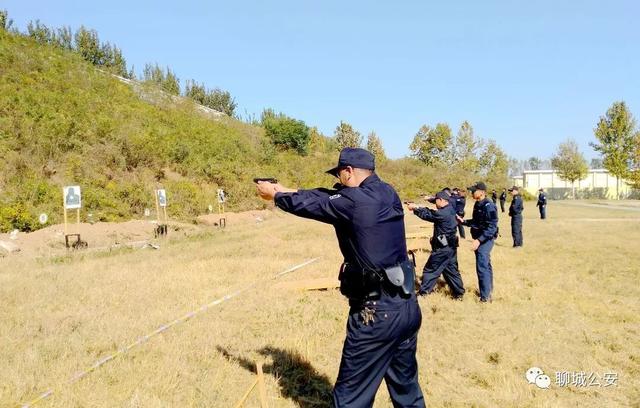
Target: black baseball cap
<point>443,195</point>
<point>477,186</point>
<point>355,157</point>
<point>514,188</point>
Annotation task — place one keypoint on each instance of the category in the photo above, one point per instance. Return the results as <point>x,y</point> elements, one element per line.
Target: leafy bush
<point>286,132</point>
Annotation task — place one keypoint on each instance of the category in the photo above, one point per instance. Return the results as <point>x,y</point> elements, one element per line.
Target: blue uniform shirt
<point>542,199</point>
<point>368,219</point>
<point>444,220</point>
<point>484,224</point>
<point>459,204</point>
<point>516,206</point>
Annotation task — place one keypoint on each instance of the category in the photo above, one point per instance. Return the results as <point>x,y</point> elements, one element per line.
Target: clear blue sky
<point>528,74</point>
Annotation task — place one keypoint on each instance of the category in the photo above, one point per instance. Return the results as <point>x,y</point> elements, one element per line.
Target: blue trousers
<point>543,211</point>
<point>516,230</point>
<point>484,269</point>
<point>384,348</point>
<point>442,261</point>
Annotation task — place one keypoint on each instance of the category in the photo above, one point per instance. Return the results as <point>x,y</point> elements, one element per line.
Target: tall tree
<point>374,145</point>
<point>40,32</point>
<point>534,163</point>
<point>516,167</point>
<point>615,132</point>
<point>465,150</point>
<point>166,79</point>
<point>494,163</point>
<point>635,161</point>
<point>88,45</point>
<point>171,83</point>
<point>222,101</point>
<point>570,163</point>
<point>346,136</point>
<point>195,91</point>
<point>5,21</point>
<point>432,145</point>
<point>596,163</point>
<point>64,38</point>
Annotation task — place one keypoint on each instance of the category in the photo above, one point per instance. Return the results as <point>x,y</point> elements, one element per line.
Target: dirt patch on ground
<point>108,235</point>
<point>236,218</point>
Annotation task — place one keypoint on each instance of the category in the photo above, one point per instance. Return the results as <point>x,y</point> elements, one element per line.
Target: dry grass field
<point>569,301</point>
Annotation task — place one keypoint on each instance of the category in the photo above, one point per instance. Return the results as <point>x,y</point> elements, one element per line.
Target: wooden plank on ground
<point>310,284</point>
<point>261,386</point>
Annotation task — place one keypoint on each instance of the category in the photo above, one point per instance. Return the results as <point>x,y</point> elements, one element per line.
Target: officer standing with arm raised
<point>484,230</point>
<point>542,204</point>
<point>376,277</point>
<point>515,212</point>
<point>503,199</point>
<point>444,245</point>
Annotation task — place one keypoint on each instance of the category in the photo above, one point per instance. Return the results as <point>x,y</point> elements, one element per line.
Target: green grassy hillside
<point>63,122</point>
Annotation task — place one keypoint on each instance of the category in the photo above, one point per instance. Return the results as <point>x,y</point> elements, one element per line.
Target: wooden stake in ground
<point>262,389</point>
<point>157,207</point>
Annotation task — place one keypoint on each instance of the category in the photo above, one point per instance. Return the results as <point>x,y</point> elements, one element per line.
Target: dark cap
<point>443,195</point>
<point>455,189</point>
<point>355,157</point>
<point>478,186</point>
<point>542,189</point>
<point>514,188</point>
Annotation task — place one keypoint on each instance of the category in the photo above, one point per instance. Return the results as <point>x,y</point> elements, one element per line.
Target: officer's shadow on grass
<point>297,378</point>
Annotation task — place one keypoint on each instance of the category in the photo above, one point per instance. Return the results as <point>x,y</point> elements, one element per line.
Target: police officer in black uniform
<point>503,199</point>
<point>484,230</point>
<point>494,197</point>
<point>542,204</point>
<point>515,212</point>
<point>376,277</point>
<point>460,202</point>
<point>444,246</point>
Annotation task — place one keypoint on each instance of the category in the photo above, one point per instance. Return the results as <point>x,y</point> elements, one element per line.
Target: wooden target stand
<point>162,229</point>
<point>262,389</point>
<point>72,241</point>
<point>222,222</point>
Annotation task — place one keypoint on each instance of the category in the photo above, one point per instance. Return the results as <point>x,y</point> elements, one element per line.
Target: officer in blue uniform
<point>484,230</point>
<point>459,203</point>
<point>376,277</point>
<point>444,246</point>
<point>503,199</point>
<point>542,204</point>
<point>515,212</point>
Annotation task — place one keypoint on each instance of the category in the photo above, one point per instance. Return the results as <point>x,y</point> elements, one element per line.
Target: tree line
<point>617,140</point>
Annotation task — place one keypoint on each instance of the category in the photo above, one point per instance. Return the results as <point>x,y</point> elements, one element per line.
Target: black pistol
<point>266,179</point>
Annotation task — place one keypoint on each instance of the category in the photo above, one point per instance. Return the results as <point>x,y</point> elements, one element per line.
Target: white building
<point>597,184</point>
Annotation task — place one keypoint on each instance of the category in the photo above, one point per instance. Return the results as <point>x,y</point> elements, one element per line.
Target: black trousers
<point>461,232</point>
<point>382,348</point>
<point>442,261</point>
<point>502,205</point>
<point>516,230</point>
